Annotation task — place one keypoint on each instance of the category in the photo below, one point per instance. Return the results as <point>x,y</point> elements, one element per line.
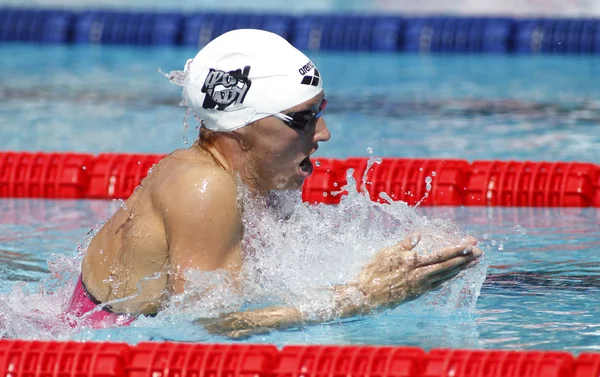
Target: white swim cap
<point>245,75</point>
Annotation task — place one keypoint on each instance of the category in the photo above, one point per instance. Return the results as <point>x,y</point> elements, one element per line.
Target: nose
<point>321,132</point>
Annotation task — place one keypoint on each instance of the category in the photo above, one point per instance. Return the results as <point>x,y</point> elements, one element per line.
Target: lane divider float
<point>20,358</point>
<point>429,182</point>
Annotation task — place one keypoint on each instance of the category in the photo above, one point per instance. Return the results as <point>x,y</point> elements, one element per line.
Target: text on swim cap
<point>306,68</point>
<point>225,88</point>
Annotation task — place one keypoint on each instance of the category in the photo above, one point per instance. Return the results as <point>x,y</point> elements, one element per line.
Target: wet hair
<point>206,136</point>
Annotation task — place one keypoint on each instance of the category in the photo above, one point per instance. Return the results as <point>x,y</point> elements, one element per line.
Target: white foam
<point>293,254</point>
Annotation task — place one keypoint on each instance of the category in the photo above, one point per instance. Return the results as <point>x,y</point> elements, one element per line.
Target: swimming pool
<point>542,282</point>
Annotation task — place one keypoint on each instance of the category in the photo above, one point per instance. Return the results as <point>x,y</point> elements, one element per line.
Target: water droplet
<point>433,173</point>
<point>120,203</point>
<point>176,77</point>
<point>324,194</point>
<point>501,246</point>
<point>370,150</point>
<point>186,125</point>
<point>317,163</point>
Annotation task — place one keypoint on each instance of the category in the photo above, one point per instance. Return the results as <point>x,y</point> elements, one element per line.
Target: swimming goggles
<point>303,120</point>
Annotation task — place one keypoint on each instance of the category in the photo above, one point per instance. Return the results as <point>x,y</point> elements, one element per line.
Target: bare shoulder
<point>197,201</point>
<point>188,177</point>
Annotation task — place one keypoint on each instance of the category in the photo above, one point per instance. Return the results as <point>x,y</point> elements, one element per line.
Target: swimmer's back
<point>134,243</point>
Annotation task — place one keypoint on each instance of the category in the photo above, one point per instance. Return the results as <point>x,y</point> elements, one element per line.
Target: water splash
<point>370,162</point>
<point>181,78</point>
<point>428,181</point>
<point>34,310</point>
<point>186,125</point>
<point>120,203</point>
<point>296,251</point>
<point>176,77</point>
<point>293,254</point>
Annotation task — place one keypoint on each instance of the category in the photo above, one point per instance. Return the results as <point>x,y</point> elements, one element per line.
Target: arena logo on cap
<point>306,68</point>
<point>225,88</point>
<point>311,80</point>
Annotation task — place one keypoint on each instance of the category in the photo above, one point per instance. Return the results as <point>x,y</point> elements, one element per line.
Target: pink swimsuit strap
<point>82,303</point>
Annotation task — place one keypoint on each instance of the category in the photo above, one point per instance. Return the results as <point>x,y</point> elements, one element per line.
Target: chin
<point>289,183</point>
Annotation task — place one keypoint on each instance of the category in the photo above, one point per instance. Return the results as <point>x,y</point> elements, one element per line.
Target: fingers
<point>477,252</point>
<point>442,267</point>
<point>410,241</point>
<point>471,240</point>
<point>391,257</point>
<point>445,275</point>
<point>445,254</point>
<point>432,277</point>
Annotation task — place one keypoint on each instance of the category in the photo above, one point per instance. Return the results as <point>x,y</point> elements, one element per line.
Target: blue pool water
<point>543,280</point>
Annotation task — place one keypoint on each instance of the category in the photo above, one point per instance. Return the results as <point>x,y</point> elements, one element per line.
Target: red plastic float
<point>532,184</point>
<point>19,358</point>
<point>44,175</point>
<point>217,360</point>
<point>479,363</point>
<point>425,181</point>
<point>406,179</point>
<point>117,175</point>
<point>587,364</point>
<point>344,361</point>
<point>325,183</point>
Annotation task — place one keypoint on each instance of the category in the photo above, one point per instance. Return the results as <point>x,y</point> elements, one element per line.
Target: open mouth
<point>306,167</point>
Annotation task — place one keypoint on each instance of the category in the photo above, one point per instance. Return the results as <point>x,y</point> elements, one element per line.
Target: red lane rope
<point>20,358</point>
<point>453,182</point>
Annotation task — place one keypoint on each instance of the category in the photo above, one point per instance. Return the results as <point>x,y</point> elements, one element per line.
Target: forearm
<point>348,302</point>
<point>251,322</point>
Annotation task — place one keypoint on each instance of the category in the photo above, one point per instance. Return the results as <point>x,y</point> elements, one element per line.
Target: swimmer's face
<point>278,155</point>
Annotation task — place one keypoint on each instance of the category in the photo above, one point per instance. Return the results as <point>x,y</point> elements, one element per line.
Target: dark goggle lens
<point>303,119</point>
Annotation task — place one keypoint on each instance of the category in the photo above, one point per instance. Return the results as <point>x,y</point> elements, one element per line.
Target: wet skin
<point>185,215</point>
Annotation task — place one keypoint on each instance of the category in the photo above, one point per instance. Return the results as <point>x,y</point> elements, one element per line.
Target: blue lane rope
<point>329,32</point>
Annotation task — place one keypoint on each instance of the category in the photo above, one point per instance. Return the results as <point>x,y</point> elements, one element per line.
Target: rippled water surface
<point>543,277</point>
<point>541,289</point>
<point>98,99</point>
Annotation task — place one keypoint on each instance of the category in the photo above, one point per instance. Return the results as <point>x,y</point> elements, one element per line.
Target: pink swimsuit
<point>82,303</point>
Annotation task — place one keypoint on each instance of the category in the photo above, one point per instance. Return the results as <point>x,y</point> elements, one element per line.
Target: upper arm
<point>202,222</point>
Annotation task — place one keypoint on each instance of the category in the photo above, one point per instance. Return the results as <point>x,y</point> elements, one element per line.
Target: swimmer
<point>261,103</point>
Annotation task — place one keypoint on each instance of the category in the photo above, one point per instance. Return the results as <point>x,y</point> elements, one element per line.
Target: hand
<point>397,274</point>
